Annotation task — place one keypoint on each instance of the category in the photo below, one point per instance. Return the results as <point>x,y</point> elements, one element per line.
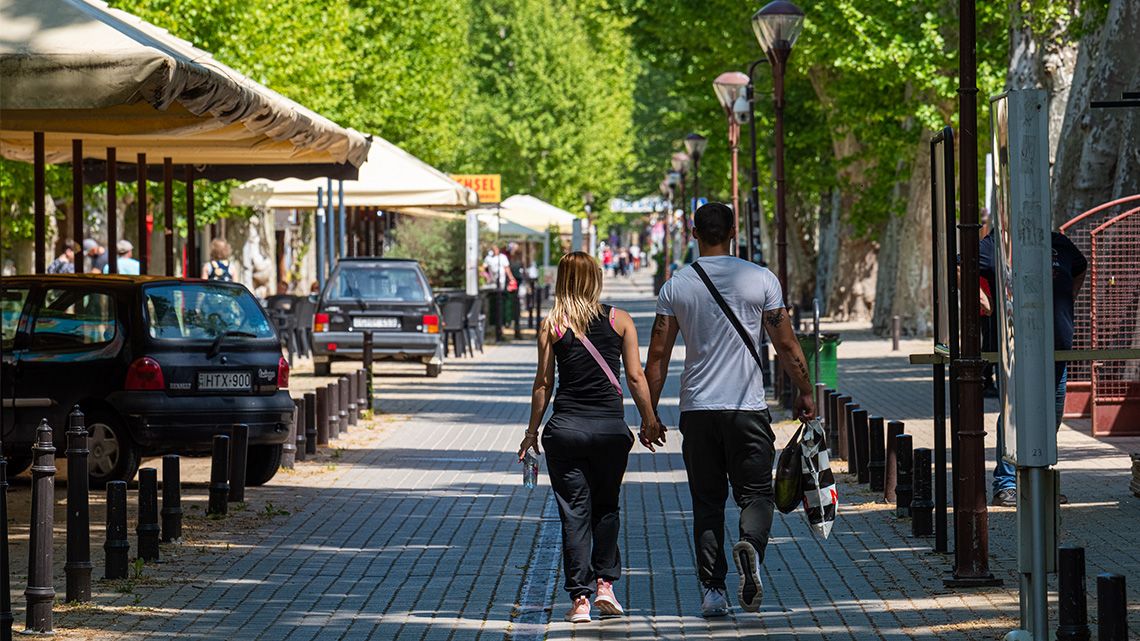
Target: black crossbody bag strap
<point>729,314</point>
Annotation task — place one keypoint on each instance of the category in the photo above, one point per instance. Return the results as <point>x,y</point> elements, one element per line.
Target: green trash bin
<point>828,359</point>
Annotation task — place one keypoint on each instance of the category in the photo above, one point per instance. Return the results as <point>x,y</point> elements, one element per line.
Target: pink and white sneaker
<point>580,611</point>
<point>606,600</point>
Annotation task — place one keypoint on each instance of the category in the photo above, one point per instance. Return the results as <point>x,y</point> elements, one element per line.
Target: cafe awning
<point>507,228</point>
<point>78,69</point>
<point>534,213</point>
<point>391,179</point>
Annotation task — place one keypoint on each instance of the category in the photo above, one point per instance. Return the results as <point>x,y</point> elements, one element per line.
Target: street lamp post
<point>667,193</point>
<point>588,199</point>
<point>754,198</point>
<point>680,163</point>
<point>728,87</point>
<point>777,26</point>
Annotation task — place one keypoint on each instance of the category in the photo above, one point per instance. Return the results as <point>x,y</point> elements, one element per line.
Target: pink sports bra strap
<point>601,363</point>
<point>612,325</point>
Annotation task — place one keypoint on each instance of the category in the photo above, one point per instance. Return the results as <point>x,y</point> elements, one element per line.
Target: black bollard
<point>334,411</point>
<point>7,619</point>
<point>1071,599</point>
<point>321,407</point>
<point>852,451</point>
<point>368,368</point>
<point>891,470</point>
<point>362,392</point>
<point>116,546</point>
<point>239,451</point>
<point>344,408</point>
<point>922,503</point>
<point>289,447</point>
<point>859,416</point>
<point>1111,608</point>
<point>298,431</point>
<point>40,594</point>
<point>310,424</point>
<point>829,421</point>
<point>896,333</point>
<point>841,429</point>
<point>353,393</point>
<point>219,476</point>
<point>78,566</point>
<point>147,528</point>
<point>171,498</point>
<point>904,473</point>
<point>876,453</point>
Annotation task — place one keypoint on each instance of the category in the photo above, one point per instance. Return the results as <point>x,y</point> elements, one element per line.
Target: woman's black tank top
<point>583,388</point>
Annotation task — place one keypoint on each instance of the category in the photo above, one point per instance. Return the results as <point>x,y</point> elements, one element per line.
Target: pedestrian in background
<point>219,268</point>
<point>125,264</point>
<point>97,254</point>
<point>65,262</point>
<point>587,441</point>
<point>720,304</point>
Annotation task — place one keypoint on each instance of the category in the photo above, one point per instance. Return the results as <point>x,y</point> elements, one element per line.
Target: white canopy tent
<point>535,213</point>
<point>391,179</point>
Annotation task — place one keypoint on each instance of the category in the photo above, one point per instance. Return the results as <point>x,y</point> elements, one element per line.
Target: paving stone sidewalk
<point>419,528</point>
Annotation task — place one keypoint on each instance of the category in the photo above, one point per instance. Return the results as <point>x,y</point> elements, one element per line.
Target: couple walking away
<point>719,305</point>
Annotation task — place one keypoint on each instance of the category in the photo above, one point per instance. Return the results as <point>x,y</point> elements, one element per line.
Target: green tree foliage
<point>437,244</point>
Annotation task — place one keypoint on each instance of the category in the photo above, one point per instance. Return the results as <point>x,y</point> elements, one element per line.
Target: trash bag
<point>820,498</point>
<point>789,475</point>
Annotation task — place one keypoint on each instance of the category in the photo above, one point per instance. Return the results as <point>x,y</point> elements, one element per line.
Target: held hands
<point>652,433</point>
<point>529,441</point>
<point>804,407</point>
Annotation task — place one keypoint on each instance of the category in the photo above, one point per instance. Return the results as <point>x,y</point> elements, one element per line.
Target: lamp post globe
<point>695,144</point>
<point>777,26</point>
<point>680,162</point>
<point>728,86</point>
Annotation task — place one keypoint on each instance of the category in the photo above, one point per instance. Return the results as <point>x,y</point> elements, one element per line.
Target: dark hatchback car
<point>391,298</point>
<point>158,365</point>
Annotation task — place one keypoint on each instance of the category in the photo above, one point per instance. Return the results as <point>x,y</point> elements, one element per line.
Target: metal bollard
<point>1111,607</point>
<point>852,450</point>
<point>171,498</point>
<point>321,407</point>
<point>239,452</point>
<point>922,503</point>
<point>344,408</point>
<point>1072,602</point>
<point>147,530</point>
<point>289,447</point>
<point>368,368</point>
<point>876,453</point>
<point>298,433</point>
<point>219,476</point>
<point>334,411</point>
<point>362,392</point>
<point>6,616</point>
<point>310,423</point>
<point>349,387</point>
<point>829,421</point>
<point>78,566</point>
<point>862,444</point>
<point>40,594</point>
<point>116,546</point>
<point>841,428</point>
<point>891,471</point>
<point>904,473</point>
<point>896,332</point>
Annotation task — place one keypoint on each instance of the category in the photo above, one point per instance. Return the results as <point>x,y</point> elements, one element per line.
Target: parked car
<point>392,298</point>
<point>157,365</point>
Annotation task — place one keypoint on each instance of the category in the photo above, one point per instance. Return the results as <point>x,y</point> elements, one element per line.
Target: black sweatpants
<point>723,447</point>
<point>586,459</point>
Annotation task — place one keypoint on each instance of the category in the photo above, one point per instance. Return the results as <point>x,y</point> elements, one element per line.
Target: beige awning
<point>533,213</point>
<point>391,179</point>
<point>507,228</point>
<point>79,69</point>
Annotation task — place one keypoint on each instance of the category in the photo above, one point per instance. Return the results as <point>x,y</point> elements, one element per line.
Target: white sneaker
<point>748,565</point>
<point>714,603</point>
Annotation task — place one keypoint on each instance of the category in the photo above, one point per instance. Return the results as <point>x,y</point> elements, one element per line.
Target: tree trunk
<point>912,274</point>
<point>1044,61</point>
<point>1097,155</point>
<point>885,280</point>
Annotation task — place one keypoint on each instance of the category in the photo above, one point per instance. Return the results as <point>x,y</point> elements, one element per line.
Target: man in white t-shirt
<point>725,421</point>
<point>497,267</point>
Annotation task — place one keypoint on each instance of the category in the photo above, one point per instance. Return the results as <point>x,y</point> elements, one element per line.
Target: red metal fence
<point>1078,403</point>
<point>1114,290</point>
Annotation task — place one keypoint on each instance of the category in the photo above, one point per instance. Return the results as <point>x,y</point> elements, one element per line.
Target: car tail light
<point>331,347</point>
<point>144,374</point>
<point>282,373</point>
<point>320,322</point>
<point>431,323</point>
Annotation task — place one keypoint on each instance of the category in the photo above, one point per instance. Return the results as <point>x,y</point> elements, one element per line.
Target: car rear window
<point>201,311</point>
<point>11,305</point>
<point>73,318</point>
<point>379,283</point>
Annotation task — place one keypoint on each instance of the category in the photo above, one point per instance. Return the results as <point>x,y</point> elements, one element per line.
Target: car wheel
<point>113,455</point>
<point>262,463</point>
<point>434,369</point>
<point>17,464</point>
<point>322,369</point>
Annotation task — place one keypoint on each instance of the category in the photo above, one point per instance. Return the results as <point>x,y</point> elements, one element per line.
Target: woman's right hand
<point>529,441</point>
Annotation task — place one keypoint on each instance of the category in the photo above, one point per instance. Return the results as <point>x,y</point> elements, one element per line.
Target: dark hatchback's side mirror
<point>314,298</point>
<point>441,299</point>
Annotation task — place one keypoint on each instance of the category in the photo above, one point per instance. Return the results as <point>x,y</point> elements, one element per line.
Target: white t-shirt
<point>497,266</point>
<point>719,373</point>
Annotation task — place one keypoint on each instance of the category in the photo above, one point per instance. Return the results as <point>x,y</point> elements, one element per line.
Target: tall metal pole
<point>753,174</point>
<point>168,213</point>
<point>734,146</point>
<point>780,56</point>
<point>342,232</point>
<point>971,520</point>
<point>319,233</point>
<point>77,201</point>
<point>330,226</point>
<point>112,212</point>
<point>40,204</point>
<point>140,224</point>
<point>194,260</point>
<point>684,217</point>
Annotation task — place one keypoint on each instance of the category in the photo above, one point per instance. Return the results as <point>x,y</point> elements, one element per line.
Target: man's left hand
<point>804,407</point>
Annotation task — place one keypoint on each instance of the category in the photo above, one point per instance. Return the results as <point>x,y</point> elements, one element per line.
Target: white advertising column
<point>472,271</point>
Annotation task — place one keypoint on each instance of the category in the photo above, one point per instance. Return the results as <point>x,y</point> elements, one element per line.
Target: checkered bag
<point>821,501</point>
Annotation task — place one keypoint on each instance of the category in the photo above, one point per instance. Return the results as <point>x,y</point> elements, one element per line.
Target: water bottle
<point>530,469</point>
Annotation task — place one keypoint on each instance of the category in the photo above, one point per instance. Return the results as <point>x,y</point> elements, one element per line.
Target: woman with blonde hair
<point>586,439</point>
<point>219,266</point>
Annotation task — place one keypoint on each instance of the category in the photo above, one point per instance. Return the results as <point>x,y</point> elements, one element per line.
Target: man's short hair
<point>713,223</point>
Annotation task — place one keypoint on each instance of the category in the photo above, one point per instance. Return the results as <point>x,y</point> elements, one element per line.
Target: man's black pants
<point>723,447</point>
<point>586,468</point>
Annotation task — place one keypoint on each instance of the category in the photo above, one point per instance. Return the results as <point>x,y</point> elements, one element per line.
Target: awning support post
<point>319,237</point>
<point>77,201</point>
<point>194,261</point>
<point>168,212</point>
<point>343,235</point>
<point>112,212</point>
<point>40,205</point>
<point>143,233</point>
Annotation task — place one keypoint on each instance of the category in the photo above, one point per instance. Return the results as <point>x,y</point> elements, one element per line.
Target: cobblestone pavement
<point>417,527</point>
